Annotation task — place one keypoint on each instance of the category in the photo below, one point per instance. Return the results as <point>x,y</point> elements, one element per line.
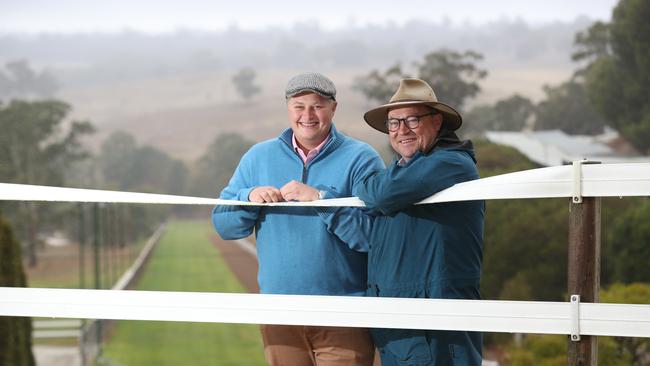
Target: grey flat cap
<point>312,82</point>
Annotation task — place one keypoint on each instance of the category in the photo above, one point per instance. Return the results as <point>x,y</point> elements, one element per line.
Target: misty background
<point>174,90</point>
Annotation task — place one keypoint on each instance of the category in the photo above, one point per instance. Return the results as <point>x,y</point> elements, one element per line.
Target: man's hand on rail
<point>265,194</point>
<point>296,191</point>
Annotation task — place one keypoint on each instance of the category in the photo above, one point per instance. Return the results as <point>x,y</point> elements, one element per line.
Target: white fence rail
<point>372,312</point>
<point>65,328</point>
<point>602,180</point>
<point>590,180</point>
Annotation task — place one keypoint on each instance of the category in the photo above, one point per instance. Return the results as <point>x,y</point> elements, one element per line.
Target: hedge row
<point>15,332</point>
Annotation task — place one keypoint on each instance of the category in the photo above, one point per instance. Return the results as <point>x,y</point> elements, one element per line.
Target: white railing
<point>371,312</point>
<point>65,328</point>
<point>577,181</point>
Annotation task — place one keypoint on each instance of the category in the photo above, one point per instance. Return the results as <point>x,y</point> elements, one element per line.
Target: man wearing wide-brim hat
<point>421,251</point>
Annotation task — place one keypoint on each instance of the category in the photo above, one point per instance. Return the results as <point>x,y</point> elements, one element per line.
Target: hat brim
<point>307,91</point>
<point>376,117</point>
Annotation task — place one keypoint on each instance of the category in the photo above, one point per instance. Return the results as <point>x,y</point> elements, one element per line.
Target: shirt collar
<point>312,153</point>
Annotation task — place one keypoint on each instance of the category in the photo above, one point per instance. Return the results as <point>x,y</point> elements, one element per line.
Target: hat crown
<point>409,93</point>
<point>311,82</point>
<point>413,90</point>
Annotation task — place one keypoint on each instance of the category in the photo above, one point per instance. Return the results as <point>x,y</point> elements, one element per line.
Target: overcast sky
<point>156,16</point>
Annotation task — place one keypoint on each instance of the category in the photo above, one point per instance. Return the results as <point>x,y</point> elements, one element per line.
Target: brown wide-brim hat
<point>413,92</point>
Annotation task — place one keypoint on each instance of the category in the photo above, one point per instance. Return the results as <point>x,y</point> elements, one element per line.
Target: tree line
<point>38,146</point>
<point>611,85</point>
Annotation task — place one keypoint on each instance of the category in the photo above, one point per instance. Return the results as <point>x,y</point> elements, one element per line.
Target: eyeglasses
<point>412,122</point>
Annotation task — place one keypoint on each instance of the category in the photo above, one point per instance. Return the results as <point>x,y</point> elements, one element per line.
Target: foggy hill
<point>127,55</point>
<point>163,87</point>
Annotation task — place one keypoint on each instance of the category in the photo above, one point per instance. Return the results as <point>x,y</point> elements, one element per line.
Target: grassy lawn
<point>185,260</point>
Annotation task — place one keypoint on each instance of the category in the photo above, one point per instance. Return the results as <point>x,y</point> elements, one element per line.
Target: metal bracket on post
<point>575,318</point>
<point>577,181</point>
<point>577,178</point>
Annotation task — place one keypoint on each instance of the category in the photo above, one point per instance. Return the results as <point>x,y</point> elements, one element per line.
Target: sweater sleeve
<point>236,222</point>
<point>397,187</point>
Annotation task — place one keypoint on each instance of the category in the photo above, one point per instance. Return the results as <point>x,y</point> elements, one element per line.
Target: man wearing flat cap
<point>419,251</point>
<point>296,251</point>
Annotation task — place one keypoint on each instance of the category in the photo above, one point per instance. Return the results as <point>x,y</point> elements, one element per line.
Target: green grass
<point>185,260</point>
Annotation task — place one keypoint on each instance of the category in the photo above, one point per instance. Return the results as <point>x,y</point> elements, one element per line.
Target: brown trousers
<point>289,345</point>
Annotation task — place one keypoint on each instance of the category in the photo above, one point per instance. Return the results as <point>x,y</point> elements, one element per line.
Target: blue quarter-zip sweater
<point>297,252</point>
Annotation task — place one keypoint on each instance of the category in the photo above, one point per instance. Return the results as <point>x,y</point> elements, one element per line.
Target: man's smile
<point>308,124</point>
<point>407,140</point>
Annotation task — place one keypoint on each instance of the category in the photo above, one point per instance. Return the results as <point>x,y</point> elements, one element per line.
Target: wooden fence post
<point>584,270</point>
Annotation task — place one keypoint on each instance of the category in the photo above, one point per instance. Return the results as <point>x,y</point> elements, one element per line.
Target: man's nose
<point>309,114</point>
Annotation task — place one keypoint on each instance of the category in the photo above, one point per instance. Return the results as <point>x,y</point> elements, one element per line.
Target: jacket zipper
<point>303,178</point>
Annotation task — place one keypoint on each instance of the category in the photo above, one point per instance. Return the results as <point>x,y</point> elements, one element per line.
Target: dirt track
<point>242,263</point>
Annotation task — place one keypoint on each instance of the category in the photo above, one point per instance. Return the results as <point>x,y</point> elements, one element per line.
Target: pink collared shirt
<point>312,153</point>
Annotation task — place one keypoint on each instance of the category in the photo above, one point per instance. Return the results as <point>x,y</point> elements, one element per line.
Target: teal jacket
<point>432,250</point>
<point>297,252</point>
<point>421,251</point>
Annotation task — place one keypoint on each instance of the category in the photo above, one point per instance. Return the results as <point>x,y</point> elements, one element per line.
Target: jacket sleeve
<point>397,187</point>
<point>236,222</point>
<point>352,225</point>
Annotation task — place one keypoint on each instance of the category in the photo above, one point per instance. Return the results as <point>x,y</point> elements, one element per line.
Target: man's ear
<point>437,121</point>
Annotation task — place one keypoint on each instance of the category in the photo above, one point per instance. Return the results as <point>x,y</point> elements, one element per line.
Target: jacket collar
<point>446,140</point>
